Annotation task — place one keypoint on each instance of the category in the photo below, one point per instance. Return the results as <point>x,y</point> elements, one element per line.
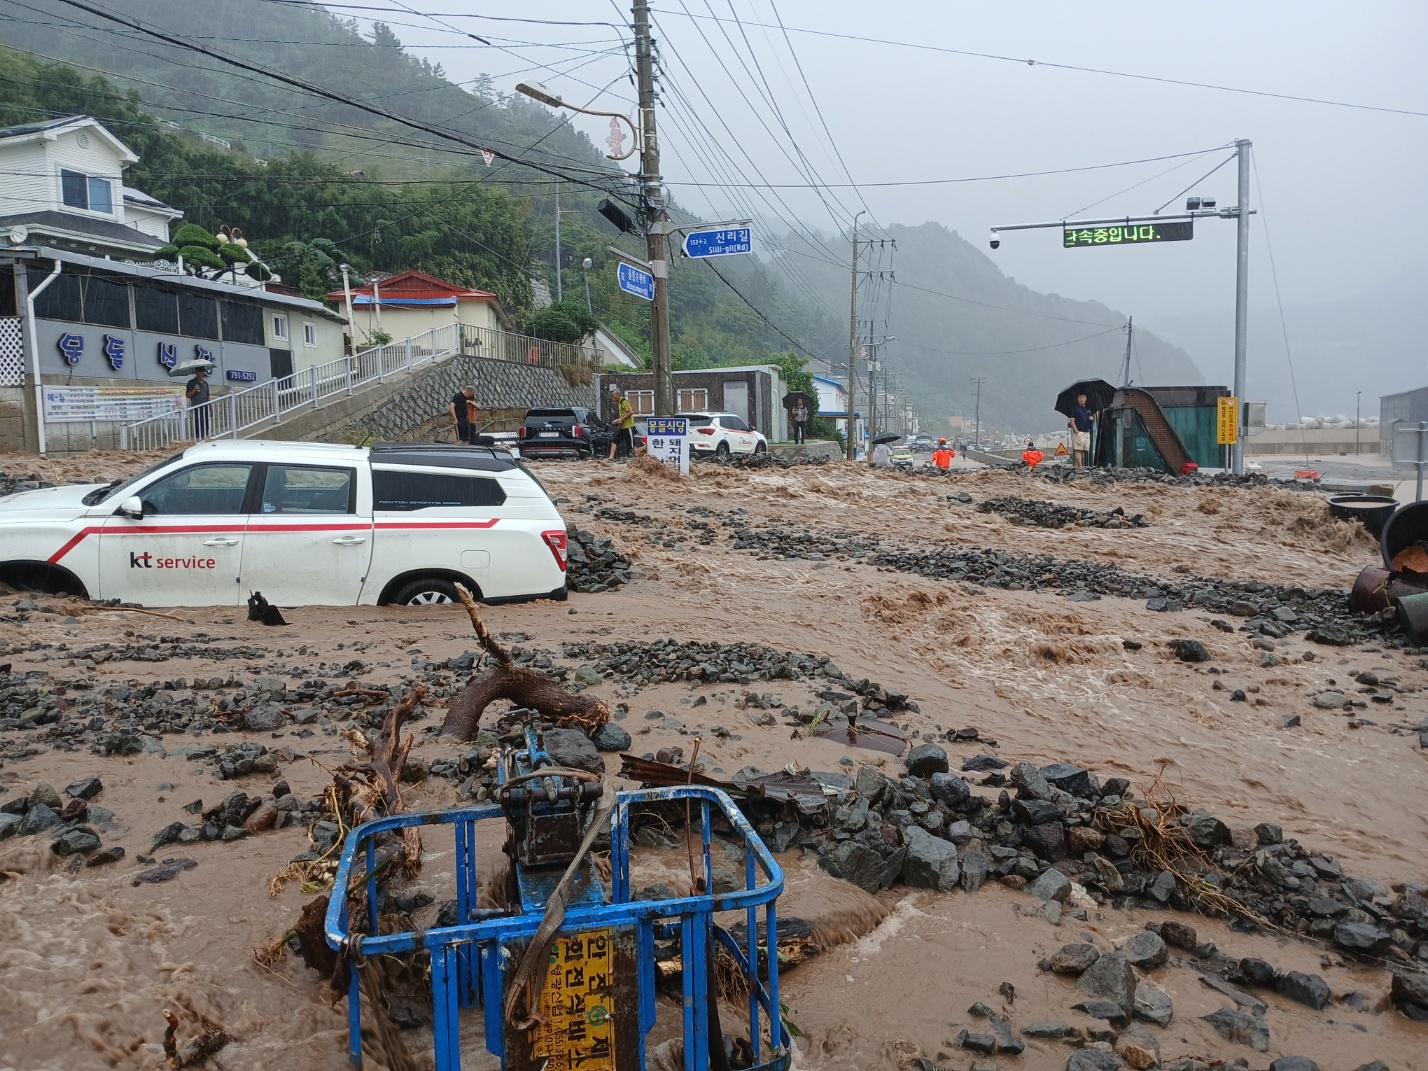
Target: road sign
<point>723,242</point>
<point>1128,234</point>
<point>635,281</point>
<point>1227,427</point>
<point>1061,450</point>
<point>668,439</point>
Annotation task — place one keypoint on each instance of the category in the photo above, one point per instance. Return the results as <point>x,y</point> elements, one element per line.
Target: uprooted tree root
<point>196,1049</point>
<point>523,687</point>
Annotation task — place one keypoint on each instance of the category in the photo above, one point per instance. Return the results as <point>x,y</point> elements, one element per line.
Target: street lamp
<point>585,266</point>
<point>537,91</point>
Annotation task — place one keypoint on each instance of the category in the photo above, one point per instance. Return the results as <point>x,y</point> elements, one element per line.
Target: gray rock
<point>1268,833</point>
<point>930,862</point>
<point>572,749</point>
<point>1047,840</point>
<point>926,759</point>
<point>46,795</point>
<point>1206,830</point>
<point>610,737</point>
<point>1293,1063</point>
<point>1333,699</point>
<point>1361,937</point>
<point>1153,1005</point>
<point>9,825</point>
<point>1101,1009</point>
<point>1409,987</point>
<point>870,784</point>
<point>264,718</point>
<point>1145,949</point>
<point>1035,812</point>
<point>1111,978</point>
<point>1069,778</point>
<point>1307,989</point>
<point>38,818</point>
<point>1258,973</point>
<point>1092,1060</point>
<point>859,864</point>
<point>165,871</point>
<point>1030,782</point>
<point>1376,1065</point>
<point>1163,887</point>
<point>588,675</point>
<point>1051,885</point>
<point>1046,1028</point>
<point>1179,935</point>
<point>981,1044</point>
<point>86,789</point>
<point>960,832</point>
<point>974,871</point>
<point>1189,650</point>
<point>950,789</point>
<point>1074,959</point>
<point>1242,1029</point>
<point>104,856</point>
<point>77,841</point>
<point>983,763</point>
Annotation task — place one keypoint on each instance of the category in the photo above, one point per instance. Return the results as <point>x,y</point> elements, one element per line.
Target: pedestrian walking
<point>800,418</point>
<point>1081,421</point>
<point>463,410</point>
<point>943,455</point>
<point>624,440</point>
<point>197,394</point>
<point>882,456</point>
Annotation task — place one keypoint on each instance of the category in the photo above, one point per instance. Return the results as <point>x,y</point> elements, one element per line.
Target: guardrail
<point>266,404</point>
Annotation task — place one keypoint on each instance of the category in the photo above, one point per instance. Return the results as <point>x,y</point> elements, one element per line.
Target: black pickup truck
<point>567,432</point>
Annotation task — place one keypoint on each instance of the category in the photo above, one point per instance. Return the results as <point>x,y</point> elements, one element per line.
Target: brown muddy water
<point>89,962</point>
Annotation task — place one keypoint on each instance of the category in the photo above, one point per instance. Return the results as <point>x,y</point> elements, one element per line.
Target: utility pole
<point>1125,371</point>
<point>559,288</point>
<point>1242,215</point>
<point>853,347</point>
<point>1358,395</point>
<point>977,381</point>
<point>652,196</point>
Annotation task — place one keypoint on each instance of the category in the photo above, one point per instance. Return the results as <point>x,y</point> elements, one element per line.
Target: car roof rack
<point>443,455</point>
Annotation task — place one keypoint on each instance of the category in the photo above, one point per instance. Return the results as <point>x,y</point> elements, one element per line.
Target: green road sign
<point>1128,234</point>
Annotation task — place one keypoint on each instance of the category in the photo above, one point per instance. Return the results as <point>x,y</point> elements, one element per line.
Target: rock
<point>1409,987</point>
<point>1189,650</point>
<point>1308,989</point>
<point>1069,778</point>
<point>950,789</point>
<point>1092,1060</point>
<point>1290,721</point>
<point>859,864</point>
<point>9,824</point>
<point>1030,782</point>
<point>165,871</point>
<point>981,1044</point>
<point>105,856</point>
<point>1139,1056</point>
<point>1242,1029</point>
<point>930,862</point>
<point>1179,935</point>
<point>1333,699</point>
<point>1376,1065</point>
<point>1112,978</point>
<point>974,871</point>
<point>1332,635</point>
<point>1046,1028</point>
<point>572,748</point>
<point>1051,885</point>
<point>1083,839</point>
<point>264,718</point>
<point>1074,959</point>
<point>38,818</point>
<point>1163,887</point>
<point>1035,812</point>
<point>46,795</point>
<point>1047,840</point>
<point>77,841</point>
<point>1153,1005</point>
<point>1145,949</point>
<point>1269,833</point>
<point>1101,1009</point>
<point>86,789</point>
<point>1258,973</point>
<point>1206,830</point>
<point>610,737</point>
<point>927,759</point>
<point>1293,1063</point>
<point>1362,937</point>
<point>983,763</point>
<point>262,818</point>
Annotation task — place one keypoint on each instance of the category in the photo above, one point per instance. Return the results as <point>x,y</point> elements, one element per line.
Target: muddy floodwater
<point>802,560</point>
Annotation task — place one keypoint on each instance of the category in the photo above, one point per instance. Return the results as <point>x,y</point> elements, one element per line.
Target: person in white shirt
<point>882,456</point>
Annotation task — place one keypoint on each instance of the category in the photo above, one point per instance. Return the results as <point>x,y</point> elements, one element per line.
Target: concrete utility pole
<point>1242,215</point>
<point>853,346</point>
<point>559,287</point>
<point>1125,372</point>
<point>977,381</point>
<point>652,195</point>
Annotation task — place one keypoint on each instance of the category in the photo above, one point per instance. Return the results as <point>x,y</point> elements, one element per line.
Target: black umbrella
<point>1097,391</point>
<point>890,437</point>
<point>793,397</point>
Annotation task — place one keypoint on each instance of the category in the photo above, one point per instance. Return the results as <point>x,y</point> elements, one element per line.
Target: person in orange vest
<point>943,455</point>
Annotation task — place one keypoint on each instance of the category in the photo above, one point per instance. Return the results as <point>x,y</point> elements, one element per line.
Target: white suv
<point>304,523</point>
<point>722,434</point>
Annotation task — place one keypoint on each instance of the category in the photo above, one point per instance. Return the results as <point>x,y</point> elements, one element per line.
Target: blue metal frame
<point>468,960</point>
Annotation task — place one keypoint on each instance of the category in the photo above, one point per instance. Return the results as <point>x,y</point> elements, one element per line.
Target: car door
<point>741,441</point>
<point>309,537</point>
<point>187,549</point>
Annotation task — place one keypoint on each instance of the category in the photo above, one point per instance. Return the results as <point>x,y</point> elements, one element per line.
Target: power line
<point>1003,353</point>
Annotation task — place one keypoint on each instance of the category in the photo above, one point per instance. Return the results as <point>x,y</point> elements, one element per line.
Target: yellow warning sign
<point>1227,427</point>
<point>577,1005</point>
<point>1061,450</point>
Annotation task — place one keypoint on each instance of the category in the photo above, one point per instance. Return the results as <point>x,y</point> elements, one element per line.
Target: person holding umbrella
<point>196,391</point>
<point>800,418</point>
<point>1079,404</point>
<point>1081,421</point>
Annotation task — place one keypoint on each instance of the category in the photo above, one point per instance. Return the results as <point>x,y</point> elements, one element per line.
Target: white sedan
<point>722,434</point>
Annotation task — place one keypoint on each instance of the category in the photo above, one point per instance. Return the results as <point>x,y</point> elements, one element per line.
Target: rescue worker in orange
<point>943,455</point>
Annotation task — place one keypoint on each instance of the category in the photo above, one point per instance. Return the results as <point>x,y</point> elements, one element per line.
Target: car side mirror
<point>132,507</point>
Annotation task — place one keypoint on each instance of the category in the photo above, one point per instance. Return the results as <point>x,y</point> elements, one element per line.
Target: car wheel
<point>761,448</point>
<point>722,451</point>
<point>429,591</point>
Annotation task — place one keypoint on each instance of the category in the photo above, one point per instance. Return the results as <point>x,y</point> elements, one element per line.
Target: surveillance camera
<point>996,240</point>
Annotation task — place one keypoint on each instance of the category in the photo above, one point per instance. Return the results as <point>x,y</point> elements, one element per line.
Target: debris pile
<point>592,562</point>
<point>768,460</point>
<point>1054,515</point>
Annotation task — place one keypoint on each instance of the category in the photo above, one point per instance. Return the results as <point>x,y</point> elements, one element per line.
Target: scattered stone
<point>1139,1056</point>
<point>1307,989</point>
<point>974,871</point>
<point>264,718</point>
<point>105,856</point>
<point>1074,959</point>
<point>1111,977</point>
<point>86,789</point>
<point>1293,1063</point>
<point>1050,885</point>
<point>1189,650</point>
<point>38,818</point>
<point>981,1044</point>
<point>1145,949</point>
<point>1092,1060</point>
<point>1179,935</point>
<point>1083,839</point>
<point>1332,635</point>
<point>572,748</point>
<point>45,795</point>
<point>983,763</point>
<point>1363,937</point>
<point>165,871</point>
<point>1030,782</point>
<point>9,824</point>
<point>1069,778</point>
<point>77,841</point>
<point>950,789</point>
<point>862,866</point>
<point>1409,990</point>
<point>1235,1026</point>
<point>930,862</point>
<point>1332,699</point>
<point>610,737</point>
<point>1257,972</point>
<point>1102,1009</point>
<point>1051,1029</point>
<point>927,759</point>
<point>1153,1005</point>
<point>262,818</point>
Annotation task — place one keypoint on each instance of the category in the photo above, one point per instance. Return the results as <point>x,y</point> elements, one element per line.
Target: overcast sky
<point>1341,186</point>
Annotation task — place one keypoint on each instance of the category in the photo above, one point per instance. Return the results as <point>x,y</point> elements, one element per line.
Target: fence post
<point>409,356</point>
<point>277,403</point>
<point>233,414</point>
<point>313,372</point>
<point>381,364</point>
<point>351,362</point>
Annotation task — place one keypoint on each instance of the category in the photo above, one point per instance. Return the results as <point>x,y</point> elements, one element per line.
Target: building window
<point>88,192</point>
<point>106,301</point>
<point>693,401</point>
<point>280,326</point>
<point>404,491</point>
<point>242,322</point>
<point>642,402</point>
<point>155,310</point>
<point>60,299</point>
<point>309,333</point>
<point>198,316</point>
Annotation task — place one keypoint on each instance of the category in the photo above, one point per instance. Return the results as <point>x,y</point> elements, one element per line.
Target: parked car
<point>902,458</point>
<point>304,523</point>
<point>567,432</point>
<point>721,434</point>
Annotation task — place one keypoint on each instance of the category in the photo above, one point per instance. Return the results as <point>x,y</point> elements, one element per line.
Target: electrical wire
<point>1197,182</point>
<point>1283,325</point>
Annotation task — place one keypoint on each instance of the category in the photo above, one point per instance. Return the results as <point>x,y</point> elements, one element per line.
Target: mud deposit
<point>154,706</point>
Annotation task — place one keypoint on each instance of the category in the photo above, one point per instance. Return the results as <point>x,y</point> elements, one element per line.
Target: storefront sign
<point>168,354</point>
<point>77,405</point>
<point>114,350</point>
<point>240,375</point>
<point>668,439</point>
<point>72,346</point>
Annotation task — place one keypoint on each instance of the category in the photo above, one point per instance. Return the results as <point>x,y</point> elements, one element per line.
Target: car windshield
<point>112,490</point>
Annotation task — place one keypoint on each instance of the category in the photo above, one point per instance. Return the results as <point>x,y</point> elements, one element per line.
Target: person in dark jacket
<point>463,410</point>
<point>1081,421</point>
<point>196,392</point>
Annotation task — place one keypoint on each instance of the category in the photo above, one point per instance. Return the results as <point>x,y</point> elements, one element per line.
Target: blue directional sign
<point>718,243</point>
<point>635,281</point>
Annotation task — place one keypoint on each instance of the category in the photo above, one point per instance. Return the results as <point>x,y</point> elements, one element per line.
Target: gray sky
<point>1341,186</point>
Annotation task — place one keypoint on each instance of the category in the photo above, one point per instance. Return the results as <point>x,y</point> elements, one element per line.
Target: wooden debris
<point>197,1049</point>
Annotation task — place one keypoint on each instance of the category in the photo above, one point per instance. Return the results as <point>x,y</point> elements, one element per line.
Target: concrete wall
<point>1314,441</point>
